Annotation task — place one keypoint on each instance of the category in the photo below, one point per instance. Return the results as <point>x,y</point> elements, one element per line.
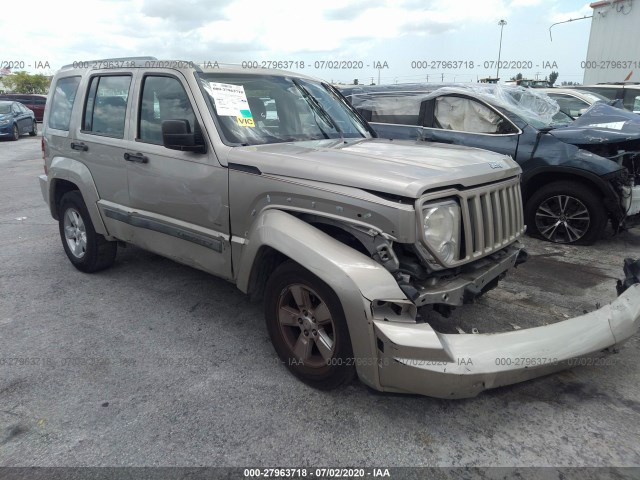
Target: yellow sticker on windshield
<point>245,122</point>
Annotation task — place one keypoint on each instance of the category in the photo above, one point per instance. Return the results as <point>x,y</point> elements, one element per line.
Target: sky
<point>409,40</point>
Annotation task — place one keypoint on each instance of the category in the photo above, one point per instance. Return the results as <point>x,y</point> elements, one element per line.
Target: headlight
<point>4,121</point>
<point>442,229</point>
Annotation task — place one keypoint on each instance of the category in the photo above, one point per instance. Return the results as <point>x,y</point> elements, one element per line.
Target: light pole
<point>502,23</point>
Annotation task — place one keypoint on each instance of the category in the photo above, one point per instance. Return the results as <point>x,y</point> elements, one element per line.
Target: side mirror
<point>177,135</point>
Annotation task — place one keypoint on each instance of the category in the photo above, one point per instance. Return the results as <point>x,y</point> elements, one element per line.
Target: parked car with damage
<point>272,181</point>
<point>577,174</point>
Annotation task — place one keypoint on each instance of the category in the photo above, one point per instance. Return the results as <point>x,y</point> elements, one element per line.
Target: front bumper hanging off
<point>414,358</point>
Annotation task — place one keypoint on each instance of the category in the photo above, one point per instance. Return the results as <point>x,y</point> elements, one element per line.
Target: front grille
<point>492,219</point>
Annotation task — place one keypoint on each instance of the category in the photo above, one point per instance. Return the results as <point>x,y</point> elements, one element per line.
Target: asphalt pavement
<point>152,363</point>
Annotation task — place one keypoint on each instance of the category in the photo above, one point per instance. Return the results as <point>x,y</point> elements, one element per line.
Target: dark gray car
<point>577,175</point>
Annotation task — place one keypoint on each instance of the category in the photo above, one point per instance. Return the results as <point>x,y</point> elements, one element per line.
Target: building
<point>614,42</point>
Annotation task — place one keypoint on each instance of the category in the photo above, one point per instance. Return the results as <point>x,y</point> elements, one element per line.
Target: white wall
<point>615,36</point>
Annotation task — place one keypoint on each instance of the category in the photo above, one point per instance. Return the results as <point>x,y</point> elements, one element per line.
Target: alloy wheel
<point>306,325</point>
<point>562,219</point>
<point>75,233</point>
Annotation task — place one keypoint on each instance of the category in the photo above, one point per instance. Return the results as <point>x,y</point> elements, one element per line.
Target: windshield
<point>5,108</point>
<point>560,119</point>
<point>259,109</point>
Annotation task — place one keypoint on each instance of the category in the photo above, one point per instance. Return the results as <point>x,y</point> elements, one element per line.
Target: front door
<point>462,120</point>
<point>178,199</point>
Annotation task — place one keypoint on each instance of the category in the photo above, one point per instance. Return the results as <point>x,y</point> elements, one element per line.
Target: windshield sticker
<point>609,125</point>
<point>230,101</point>
<point>246,121</point>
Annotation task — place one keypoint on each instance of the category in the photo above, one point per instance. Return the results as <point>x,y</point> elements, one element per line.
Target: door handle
<point>136,157</point>
<point>79,146</point>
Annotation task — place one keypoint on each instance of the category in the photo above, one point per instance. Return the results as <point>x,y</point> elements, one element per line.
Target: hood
<point>602,123</point>
<point>400,167</point>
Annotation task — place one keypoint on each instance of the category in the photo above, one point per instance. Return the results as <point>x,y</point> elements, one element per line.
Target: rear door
<point>22,117</point>
<point>102,137</point>
<point>392,115</point>
<point>179,199</point>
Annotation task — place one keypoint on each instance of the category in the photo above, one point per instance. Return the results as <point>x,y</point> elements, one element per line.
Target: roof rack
<point>104,60</point>
<point>618,83</point>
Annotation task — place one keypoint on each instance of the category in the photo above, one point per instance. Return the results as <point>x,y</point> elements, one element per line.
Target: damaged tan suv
<point>272,181</point>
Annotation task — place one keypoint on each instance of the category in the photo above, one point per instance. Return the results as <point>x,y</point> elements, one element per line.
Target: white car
<point>573,102</point>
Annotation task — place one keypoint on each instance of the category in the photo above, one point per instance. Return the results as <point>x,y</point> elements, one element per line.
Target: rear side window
<point>163,98</point>
<point>400,110</point>
<point>62,102</point>
<point>106,105</point>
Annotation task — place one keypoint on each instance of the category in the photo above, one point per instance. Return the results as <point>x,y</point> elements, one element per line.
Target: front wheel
<point>566,212</point>
<point>307,327</point>
<point>88,251</point>
<point>34,129</point>
<point>15,133</point>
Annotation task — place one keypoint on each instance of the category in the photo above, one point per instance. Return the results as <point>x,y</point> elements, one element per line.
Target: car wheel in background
<point>15,133</point>
<point>566,212</point>
<point>34,129</point>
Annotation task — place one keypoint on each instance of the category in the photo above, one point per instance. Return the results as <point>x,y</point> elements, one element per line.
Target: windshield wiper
<point>317,109</point>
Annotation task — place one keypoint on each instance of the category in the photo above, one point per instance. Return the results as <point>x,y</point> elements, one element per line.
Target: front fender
<point>356,279</point>
<point>63,168</point>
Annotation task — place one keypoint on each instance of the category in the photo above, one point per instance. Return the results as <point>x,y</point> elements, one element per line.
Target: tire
<point>566,212</point>
<point>15,133</point>
<point>34,129</point>
<point>294,297</point>
<point>87,250</point>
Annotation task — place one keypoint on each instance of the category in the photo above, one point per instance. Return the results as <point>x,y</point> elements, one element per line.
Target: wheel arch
<point>66,174</point>
<point>354,277</point>
<point>267,258</point>
<point>534,180</point>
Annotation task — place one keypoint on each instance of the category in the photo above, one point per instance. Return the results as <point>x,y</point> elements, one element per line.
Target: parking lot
<point>152,363</point>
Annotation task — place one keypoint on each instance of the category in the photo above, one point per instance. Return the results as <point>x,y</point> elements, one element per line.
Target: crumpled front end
<point>612,133</point>
<point>414,358</point>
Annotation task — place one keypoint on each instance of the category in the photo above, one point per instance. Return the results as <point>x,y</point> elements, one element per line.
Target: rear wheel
<point>566,212</point>
<point>34,129</point>
<point>307,327</point>
<point>87,250</point>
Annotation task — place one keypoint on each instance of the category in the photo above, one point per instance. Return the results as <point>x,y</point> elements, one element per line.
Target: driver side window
<point>163,98</point>
<point>466,115</point>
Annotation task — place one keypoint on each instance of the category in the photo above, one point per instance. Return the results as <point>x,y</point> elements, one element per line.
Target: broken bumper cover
<point>413,358</point>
